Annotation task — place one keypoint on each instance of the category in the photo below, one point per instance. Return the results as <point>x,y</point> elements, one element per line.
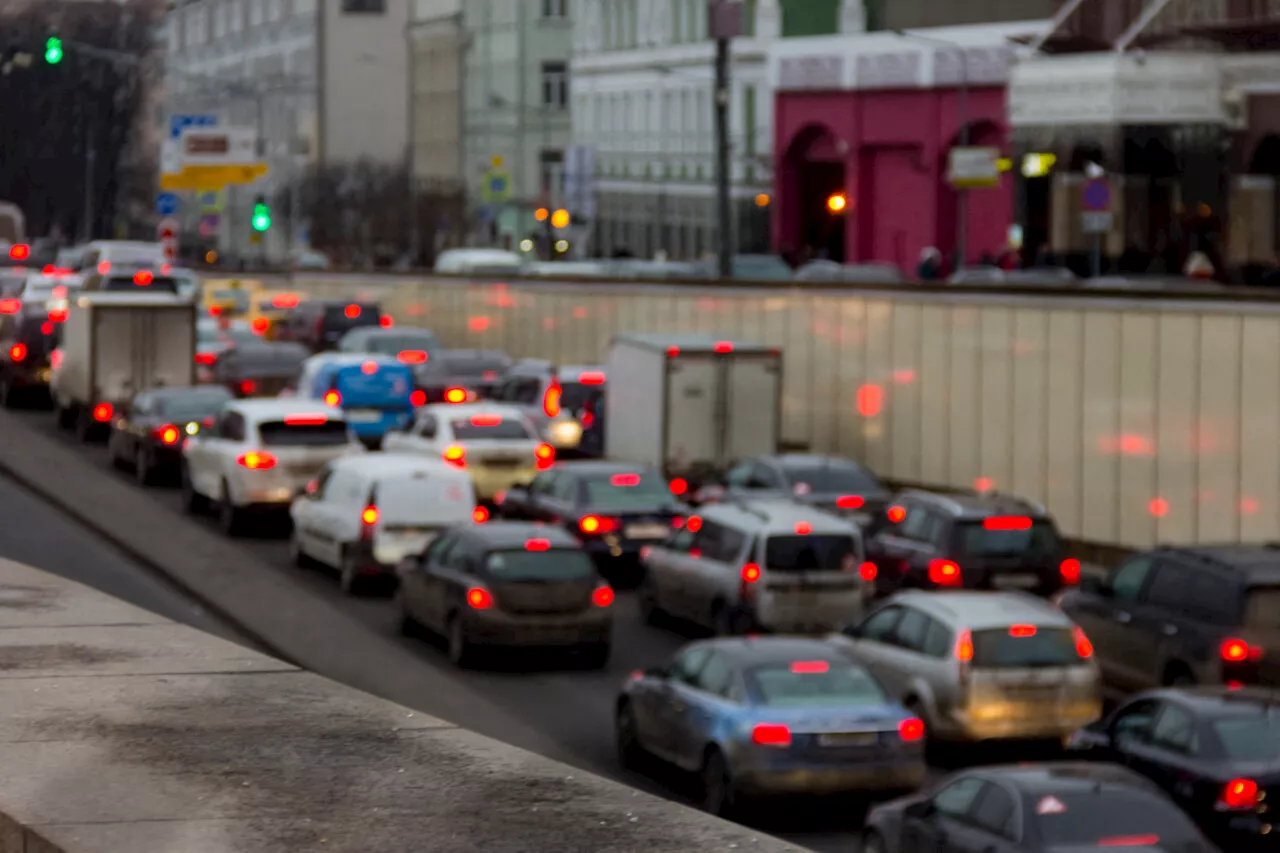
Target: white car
<point>50,291</point>
<point>259,455</point>
<point>496,444</point>
<point>363,515</point>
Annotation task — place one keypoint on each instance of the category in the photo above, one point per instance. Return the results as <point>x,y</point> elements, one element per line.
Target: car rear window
<point>1250,738</point>
<point>482,428</point>
<point>352,315</point>
<point>574,396</point>
<point>194,406</point>
<point>1001,538</point>
<point>237,299</point>
<point>1262,608</point>
<point>1015,647</point>
<point>833,479</point>
<point>396,344</point>
<point>476,366</point>
<point>161,284</point>
<point>556,564</point>
<point>811,553</point>
<point>1109,817</point>
<point>814,684</point>
<point>624,491</point>
<point>331,433</point>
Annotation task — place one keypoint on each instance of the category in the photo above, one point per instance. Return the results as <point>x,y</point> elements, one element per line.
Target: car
<point>28,340</point>
<point>495,444</point>
<point>411,346</point>
<point>462,375</point>
<point>151,429</point>
<point>1214,750</point>
<point>756,565</point>
<point>1051,807</point>
<point>274,311</point>
<point>613,508</point>
<point>126,281</point>
<point>980,667</point>
<point>363,515</point>
<point>1181,616</point>
<point>258,368</point>
<point>258,455</point>
<point>832,483</point>
<point>101,258</point>
<point>480,262</point>
<point>376,391</point>
<point>51,291</point>
<point>566,402</point>
<point>987,540</point>
<point>237,299</point>
<point>507,584</point>
<point>319,324</point>
<point>769,716</point>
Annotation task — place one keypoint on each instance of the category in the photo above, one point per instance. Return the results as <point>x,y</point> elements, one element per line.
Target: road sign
<point>166,204</point>
<point>219,146</point>
<point>207,177</point>
<point>973,167</point>
<point>497,186</point>
<point>1096,197</point>
<point>168,227</point>
<point>179,123</point>
<point>209,224</point>
<point>1096,221</point>
<point>210,201</point>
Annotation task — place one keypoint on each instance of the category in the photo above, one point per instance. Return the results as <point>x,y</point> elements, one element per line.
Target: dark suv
<point>923,540</point>
<point>27,341</point>
<point>1178,616</point>
<point>319,325</point>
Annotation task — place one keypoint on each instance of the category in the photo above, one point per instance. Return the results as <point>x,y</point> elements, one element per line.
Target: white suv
<point>769,565</point>
<point>259,455</point>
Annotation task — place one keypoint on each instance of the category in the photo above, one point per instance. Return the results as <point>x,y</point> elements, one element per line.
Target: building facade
<point>435,60</point>
<point>515,112</point>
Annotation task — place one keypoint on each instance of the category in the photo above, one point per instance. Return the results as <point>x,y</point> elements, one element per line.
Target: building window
<point>376,7</point>
<point>551,168</point>
<point>555,9</point>
<point>555,84</point>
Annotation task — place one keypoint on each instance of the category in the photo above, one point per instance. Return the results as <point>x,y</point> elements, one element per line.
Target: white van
<point>480,262</point>
<point>364,515</point>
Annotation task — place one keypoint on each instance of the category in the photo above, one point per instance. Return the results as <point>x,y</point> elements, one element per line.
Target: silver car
<point>980,666</point>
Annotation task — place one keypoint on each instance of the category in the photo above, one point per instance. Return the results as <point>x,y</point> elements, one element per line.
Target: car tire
<point>65,417</point>
<point>192,501</point>
<point>461,652</point>
<point>86,430</point>
<point>230,517</point>
<point>630,753</point>
<point>296,556</point>
<point>143,469</point>
<point>873,842</point>
<point>718,792</point>
<point>409,626</point>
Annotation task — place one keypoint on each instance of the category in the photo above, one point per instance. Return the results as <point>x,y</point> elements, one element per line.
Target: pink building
<point>872,118</point>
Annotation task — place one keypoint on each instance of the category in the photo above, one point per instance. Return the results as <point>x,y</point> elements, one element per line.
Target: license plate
<point>645,531</point>
<point>1016,581</point>
<point>363,416</point>
<point>42,375</point>
<point>849,739</point>
<point>502,463</point>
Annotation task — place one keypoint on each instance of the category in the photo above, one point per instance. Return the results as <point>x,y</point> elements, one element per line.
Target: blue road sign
<point>166,204</point>
<point>179,123</point>
<point>1097,195</point>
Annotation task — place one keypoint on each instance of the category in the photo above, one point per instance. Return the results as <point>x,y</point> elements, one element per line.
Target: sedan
<point>831,483</point>
<point>149,435</point>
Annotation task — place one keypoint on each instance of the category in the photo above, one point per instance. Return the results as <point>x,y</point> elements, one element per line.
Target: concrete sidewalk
<point>126,732</point>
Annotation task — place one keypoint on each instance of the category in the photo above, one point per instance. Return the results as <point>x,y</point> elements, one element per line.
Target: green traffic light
<point>261,217</point>
<point>53,50</point>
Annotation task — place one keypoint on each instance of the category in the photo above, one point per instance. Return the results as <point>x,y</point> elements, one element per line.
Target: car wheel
<point>717,785</point>
<point>349,580</point>
<point>143,470</point>
<point>630,752</point>
<point>460,651</point>
<point>65,417</point>
<point>192,501</point>
<point>85,427</point>
<point>230,516</point>
<point>296,555</point>
<point>873,842</point>
<point>724,620</point>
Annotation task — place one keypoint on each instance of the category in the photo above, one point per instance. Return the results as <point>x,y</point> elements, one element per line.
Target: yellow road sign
<point>211,177</point>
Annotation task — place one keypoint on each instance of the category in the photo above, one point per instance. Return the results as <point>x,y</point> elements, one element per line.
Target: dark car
<point>28,339</point>
<point>612,508</point>
<point>924,540</point>
<point>832,483</point>
<point>1183,616</point>
<point>1059,807</point>
<point>462,375</point>
<point>508,584</point>
<point>141,281</point>
<point>1215,751</point>
<point>319,325</point>
<point>149,436</point>
<point>259,369</point>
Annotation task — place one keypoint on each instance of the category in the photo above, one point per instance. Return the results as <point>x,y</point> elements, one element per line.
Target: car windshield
<point>1103,819</point>
<point>237,299</point>
<point>136,258</point>
<point>1024,646</point>
<point>811,553</point>
<point>618,492</point>
<point>1251,738</point>
<point>481,427</point>
<point>195,405</point>
<point>331,433</point>
<point>157,284</point>
<point>837,478</point>
<point>557,564</point>
<point>814,684</point>
<point>1262,608</point>
<point>574,396</point>
<point>1006,538</point>
<point>384,344</point>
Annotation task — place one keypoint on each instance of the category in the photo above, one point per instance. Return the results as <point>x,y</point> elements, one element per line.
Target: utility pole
<point>90,156</point>
<point>725,19</point>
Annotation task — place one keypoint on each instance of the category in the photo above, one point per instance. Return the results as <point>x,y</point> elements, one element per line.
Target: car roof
<point>1066,777</point>
<point>762,651</point>
<point>466,410</point>
<point>1259,564</point>
<point>812,460</point>
<point>378,465</point>
<point>1220,700</point>
<point>165,392</point>
<point>511,535</point>
<point>272,409</point>
<point>978,611</point>
<point>350,359</point>
<point>603,467</point>
<point>976,505</point>
<point>777,516</point>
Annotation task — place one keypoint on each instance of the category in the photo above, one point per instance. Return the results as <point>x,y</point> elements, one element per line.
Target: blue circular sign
<point>1097,195</point>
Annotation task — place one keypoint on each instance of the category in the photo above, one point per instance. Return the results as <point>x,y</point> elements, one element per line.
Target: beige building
<point>435,61</point>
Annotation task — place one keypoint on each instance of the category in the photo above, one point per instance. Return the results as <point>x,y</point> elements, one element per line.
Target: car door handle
<point>1170,630</point>
<point>1123,618</point>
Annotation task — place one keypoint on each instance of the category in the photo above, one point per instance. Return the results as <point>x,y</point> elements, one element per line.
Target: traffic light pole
<point>723,150</point>
<point>90,160</point>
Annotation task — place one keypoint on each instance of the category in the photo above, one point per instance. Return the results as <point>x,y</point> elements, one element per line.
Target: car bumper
<point>872,777</point>
<point>503,629</point>
<point>489,481</point>
<point>992,724</point>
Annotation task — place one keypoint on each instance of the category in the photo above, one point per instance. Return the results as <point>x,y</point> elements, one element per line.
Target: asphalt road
<point>544,704</point>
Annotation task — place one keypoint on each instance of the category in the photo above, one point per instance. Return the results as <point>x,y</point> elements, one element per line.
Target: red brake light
<point>944,573</point>
<point>60,292</point>
<point>18,352</point>
<point>333,398</point>
<point>850,502</point>
<point>480,515</point>
<point>1130,841</point>
<point>767,734</point>
<point>964,647</point>
<point>672,352</point>
<point>385,321</point>
<point>48,270</point>
<point>1238,651</point>
<point>165,269</point>
<point>545,455</point>
<point>591,377</point>
<point>537,545</point>
<point>724,346</point>
<point>19,252</point>
<point>455,454</point>
<point>305,420</point>
<point>167,434</point>
<point>10,306</point>
<point>595,524</point>
<point>284,300</point>
<point>103,412</point>
<point>1084,648</point>
<point>551,400</point>
<point>215,310</point>
<point>868,571</point>
<point>455,395</point>
<point>46,328</point>
<point>55,359</point>
<point>694,524</point>
<point>248,386</point>
<point>369,515</point>
<point>479,598</point>
<point>1239,794</point>
<point>143,278</point>
<point>810,667</point>
<point>911,730</point>
<point>602,597</point>
<point>58,315</point>
<point>260,325</point>
<point>1022,630</point>
<point>369,368</point>
<point>1070,571</point>
<point>750,573</point>
<point>205,358</point>
<point>1007,522</point>
<point>679,486</point>
<point>486,420</point>
<point>352,311</point>
<point>625,480</point>
<point>418,398</point>
<point>896,514</point>
<point>104,267</point>
<point>803,528</point>
<point>412,356</point>
<point>257,460</point>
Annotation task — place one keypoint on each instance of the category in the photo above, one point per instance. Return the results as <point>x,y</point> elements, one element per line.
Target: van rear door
<point>414,507</point>
<point>303,445</point>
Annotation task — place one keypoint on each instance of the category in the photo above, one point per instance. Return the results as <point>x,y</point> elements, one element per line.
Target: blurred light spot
<point>526,245</point>
<point>1248,506</point>
<point>503,300</point>
<point>983,484</point>
<point>1136,445</point>
<point>416,310</point>
<point>1159,507</point>
<point>820,328</point>
<point>870,400</point>
<point>580,313</point>
<point>478,324</point>
<point>904,376</point>
<point>707,304</point>
<point>1023,348</point>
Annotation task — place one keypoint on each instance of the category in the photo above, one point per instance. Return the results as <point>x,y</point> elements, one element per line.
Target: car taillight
<point>479,598</point>
<point>592,524</point>
<point>205,358</point>
<point>104,267</point>
<point>1238,794</point>
<point>256,460</point>
<point>167,434</point>
<point>677,522</point>
<point>456,455</point>
<point>10,306</point>
<point>679,486</point>
<point>455,395</point>
<point>1129,841</point>
<point>332,398</point>
<point>57,315</point>
<point>18,352</point>
<point>544,456</point>
<point>964,647</point>
<point>896,514</point>
<point>1084,648</point>
<point>386,321</point>
<point>103,412</point>
<point>55,359</point>
<point>912,729</point>
<point>868,571</point>
<point>750,573</point>
<point>248,387</point>
<point>850,502</point>
<point>944,573</point>
<point>368,522</point>
<point>602,597</point>
<point>1070,571</point>
<point>479,515</point>
<point>260,325</point>
<point>412,356</point>
<point>551,400</point>
<point>1238,651</point>
<point>418,398</point>
<point>770,734</point>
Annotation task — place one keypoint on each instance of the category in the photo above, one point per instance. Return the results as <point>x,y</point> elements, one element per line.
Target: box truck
<point>691,404</point>
<point>115,345</point>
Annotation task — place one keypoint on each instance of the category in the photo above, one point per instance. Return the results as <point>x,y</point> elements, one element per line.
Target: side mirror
<point>922,810</point>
